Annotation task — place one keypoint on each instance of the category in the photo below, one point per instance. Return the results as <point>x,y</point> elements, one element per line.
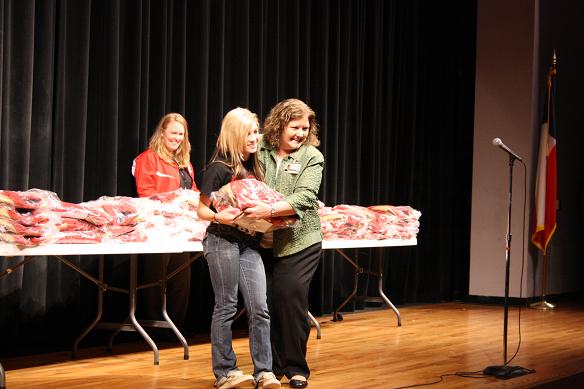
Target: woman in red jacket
<point>166,166</point>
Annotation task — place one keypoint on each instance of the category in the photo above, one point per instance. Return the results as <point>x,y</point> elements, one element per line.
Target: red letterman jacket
<point>154,175</point>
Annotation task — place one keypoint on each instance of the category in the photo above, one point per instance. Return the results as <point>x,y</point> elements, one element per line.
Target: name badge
<point>292,168</point>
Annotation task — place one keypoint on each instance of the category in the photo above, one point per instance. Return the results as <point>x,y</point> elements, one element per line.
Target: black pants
<point>177,292</point>
<point>288,284</point>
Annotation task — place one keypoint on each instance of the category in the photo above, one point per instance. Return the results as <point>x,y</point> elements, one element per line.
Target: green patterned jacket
<point>298,179</point>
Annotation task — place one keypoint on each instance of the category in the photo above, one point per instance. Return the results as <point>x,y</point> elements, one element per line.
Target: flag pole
<point>542,304</point>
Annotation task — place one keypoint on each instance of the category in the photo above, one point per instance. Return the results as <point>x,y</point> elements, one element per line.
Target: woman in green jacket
<point>293,166</point>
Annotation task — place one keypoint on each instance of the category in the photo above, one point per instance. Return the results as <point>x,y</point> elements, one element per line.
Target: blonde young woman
<point>234,262</point>
<point>163,167</point>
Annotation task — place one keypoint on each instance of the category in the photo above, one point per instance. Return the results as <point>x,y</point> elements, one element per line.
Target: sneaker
<point>268,381</point>
<point>235,379</point>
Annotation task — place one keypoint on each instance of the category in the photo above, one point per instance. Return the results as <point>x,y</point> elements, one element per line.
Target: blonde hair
<point>231,142</point>
<point>282,114</point>
<point>182,155</point>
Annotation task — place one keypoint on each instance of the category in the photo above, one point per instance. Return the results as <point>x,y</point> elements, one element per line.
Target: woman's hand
<point>206,213</point>
<point>259,211</point>
<point>225,218</point>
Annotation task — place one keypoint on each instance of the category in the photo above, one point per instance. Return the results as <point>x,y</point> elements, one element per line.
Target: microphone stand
<point>505,371</point>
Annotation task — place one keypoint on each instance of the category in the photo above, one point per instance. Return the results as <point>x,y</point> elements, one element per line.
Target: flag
<point>544,220</point>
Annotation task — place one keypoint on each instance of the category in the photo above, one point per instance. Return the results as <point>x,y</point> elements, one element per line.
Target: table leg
<point>316,324</point>
<point>6,272</point>
<point>132,306</point>
<point>358,270</point>
<point>2,378</point>
<point>133,325</point>
<point>383,296</point>
<point>9,270</point>
<point>165,313</point>
<point>100,290</point>
<point>110,341</point>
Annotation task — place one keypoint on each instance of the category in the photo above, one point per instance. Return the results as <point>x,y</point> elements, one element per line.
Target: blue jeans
<point>235,266</point>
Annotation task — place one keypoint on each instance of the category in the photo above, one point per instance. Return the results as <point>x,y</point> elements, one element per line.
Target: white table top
<point>10,250</point>
<point>364,243</point>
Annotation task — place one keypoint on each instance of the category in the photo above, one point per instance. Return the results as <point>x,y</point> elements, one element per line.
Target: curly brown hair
<point>282,114</point>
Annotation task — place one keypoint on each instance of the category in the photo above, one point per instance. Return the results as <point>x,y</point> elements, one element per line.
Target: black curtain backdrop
<point>83,83</point>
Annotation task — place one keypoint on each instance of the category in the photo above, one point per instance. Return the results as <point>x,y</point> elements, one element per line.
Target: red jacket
<point>154,175</point>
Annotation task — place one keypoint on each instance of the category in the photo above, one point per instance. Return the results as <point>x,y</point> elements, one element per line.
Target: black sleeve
<point>216,175</point>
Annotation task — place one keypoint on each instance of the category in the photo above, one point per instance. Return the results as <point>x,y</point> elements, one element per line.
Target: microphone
<point>498,142</point>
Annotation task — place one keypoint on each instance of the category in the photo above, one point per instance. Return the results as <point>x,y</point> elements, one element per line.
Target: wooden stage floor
<point>365,350</point>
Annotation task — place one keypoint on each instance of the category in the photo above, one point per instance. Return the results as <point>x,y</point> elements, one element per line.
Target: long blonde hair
<point>182,155</point>
<point>282,114</point>
<point>232,139</point>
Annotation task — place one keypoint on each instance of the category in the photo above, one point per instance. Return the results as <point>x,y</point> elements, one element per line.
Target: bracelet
<point>215,217</point>
<point>272,210</point>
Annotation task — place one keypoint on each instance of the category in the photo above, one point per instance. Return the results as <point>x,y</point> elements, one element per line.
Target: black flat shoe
<point>298,381</point>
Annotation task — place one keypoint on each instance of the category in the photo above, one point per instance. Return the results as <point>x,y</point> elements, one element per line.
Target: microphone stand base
<point>505,372</point>
<point>542,305</point>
